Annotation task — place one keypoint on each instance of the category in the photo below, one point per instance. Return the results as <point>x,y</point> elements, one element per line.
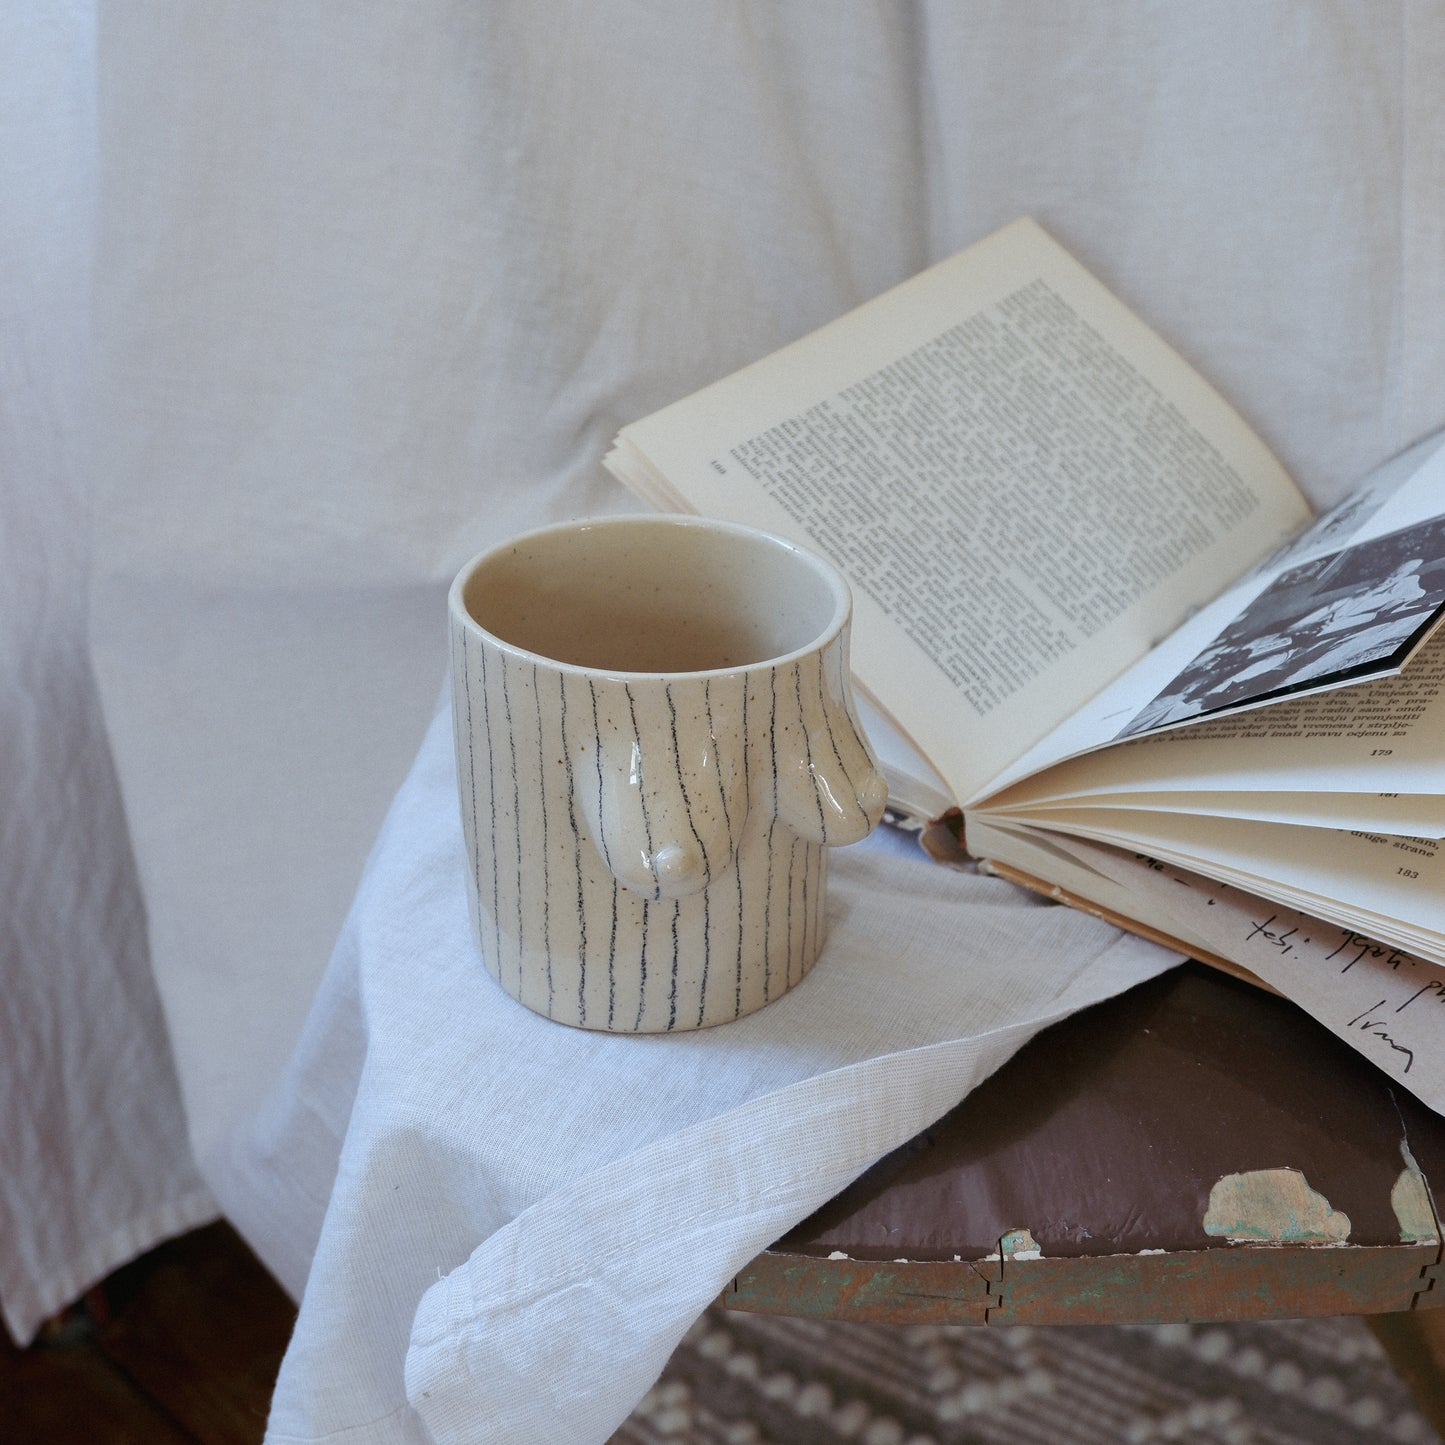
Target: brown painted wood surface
<point>1108,1139</point>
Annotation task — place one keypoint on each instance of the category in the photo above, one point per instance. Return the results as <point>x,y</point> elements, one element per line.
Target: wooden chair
<point>1195,1149</point>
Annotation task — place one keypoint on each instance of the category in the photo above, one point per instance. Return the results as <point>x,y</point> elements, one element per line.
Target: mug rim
<point>836,583</point>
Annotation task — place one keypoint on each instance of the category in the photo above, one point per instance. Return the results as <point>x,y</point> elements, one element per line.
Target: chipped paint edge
<point>1273,1206</point>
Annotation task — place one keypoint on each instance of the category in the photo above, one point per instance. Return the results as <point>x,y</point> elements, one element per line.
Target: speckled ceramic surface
<point>656,744</point>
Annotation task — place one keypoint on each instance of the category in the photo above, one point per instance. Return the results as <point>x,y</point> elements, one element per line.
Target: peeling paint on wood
<point>1019,1244</point>
<point>1410,1199</point>
<point>1273,1205</point>
<point>1259,1281</point>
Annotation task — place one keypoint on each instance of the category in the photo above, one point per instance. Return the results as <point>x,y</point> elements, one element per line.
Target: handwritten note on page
<point>1386,1003</point>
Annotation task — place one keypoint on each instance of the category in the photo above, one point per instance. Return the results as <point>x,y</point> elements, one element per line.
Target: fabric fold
<point>525,1218</point>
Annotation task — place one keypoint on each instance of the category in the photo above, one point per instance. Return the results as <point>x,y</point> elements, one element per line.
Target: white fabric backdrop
<point>376,284</point>
<point>94,1166</point>
<point>380,283</point>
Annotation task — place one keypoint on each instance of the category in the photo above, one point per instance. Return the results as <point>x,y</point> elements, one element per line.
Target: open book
<point>1097,613</point>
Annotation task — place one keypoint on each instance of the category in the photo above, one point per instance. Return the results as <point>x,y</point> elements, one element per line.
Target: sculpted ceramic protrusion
<point>691,680</point>
<point>662,813</point>
<point>828,789</point>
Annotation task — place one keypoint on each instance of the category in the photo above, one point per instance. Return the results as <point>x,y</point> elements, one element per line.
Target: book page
<point>1400,813</point>
<point>1386,736</point>
<point>1358,593</point>
<point>1334,620</point>
<point>1385,885</point>
<point>1025,486</point>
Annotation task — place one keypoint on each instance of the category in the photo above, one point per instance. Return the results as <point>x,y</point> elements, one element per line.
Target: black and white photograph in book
<point>1346,615</point>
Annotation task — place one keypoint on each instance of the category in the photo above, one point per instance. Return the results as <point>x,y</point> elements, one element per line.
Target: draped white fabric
<point>374,285</point>
<point>94,1166</point>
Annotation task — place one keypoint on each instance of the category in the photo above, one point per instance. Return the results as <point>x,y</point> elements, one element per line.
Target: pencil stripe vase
<point>656,746</point>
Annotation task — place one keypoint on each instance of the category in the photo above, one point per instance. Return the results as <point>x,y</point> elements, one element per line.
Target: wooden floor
<point>181,1346</point>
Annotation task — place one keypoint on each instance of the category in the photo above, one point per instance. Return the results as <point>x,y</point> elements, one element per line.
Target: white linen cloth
<point>376,285</point>
<point>94,1164</point>
<point>555,1207</point>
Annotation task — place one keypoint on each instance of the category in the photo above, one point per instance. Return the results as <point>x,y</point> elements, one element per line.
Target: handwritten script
<point>1382,1001</point>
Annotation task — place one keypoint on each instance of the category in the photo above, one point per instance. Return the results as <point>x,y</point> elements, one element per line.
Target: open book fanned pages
<point>1103,636</point>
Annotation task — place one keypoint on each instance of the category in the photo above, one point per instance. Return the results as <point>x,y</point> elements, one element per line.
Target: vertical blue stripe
<point>576,855</point>
<point>641,781</point>
<point>743,828</point>
<point>672,989</point>
<point>491,807</point>
<point>606,858</point>
<point>546,862</point>
<point>642,966</point>
<point>516,815</point>
<point>808,747</point>
<point>772,825</point>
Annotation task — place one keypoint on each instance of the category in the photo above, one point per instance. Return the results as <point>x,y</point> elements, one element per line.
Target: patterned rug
<point>740,1379</point>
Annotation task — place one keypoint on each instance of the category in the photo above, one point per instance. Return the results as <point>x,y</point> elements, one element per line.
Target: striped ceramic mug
<point>656,743</point>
